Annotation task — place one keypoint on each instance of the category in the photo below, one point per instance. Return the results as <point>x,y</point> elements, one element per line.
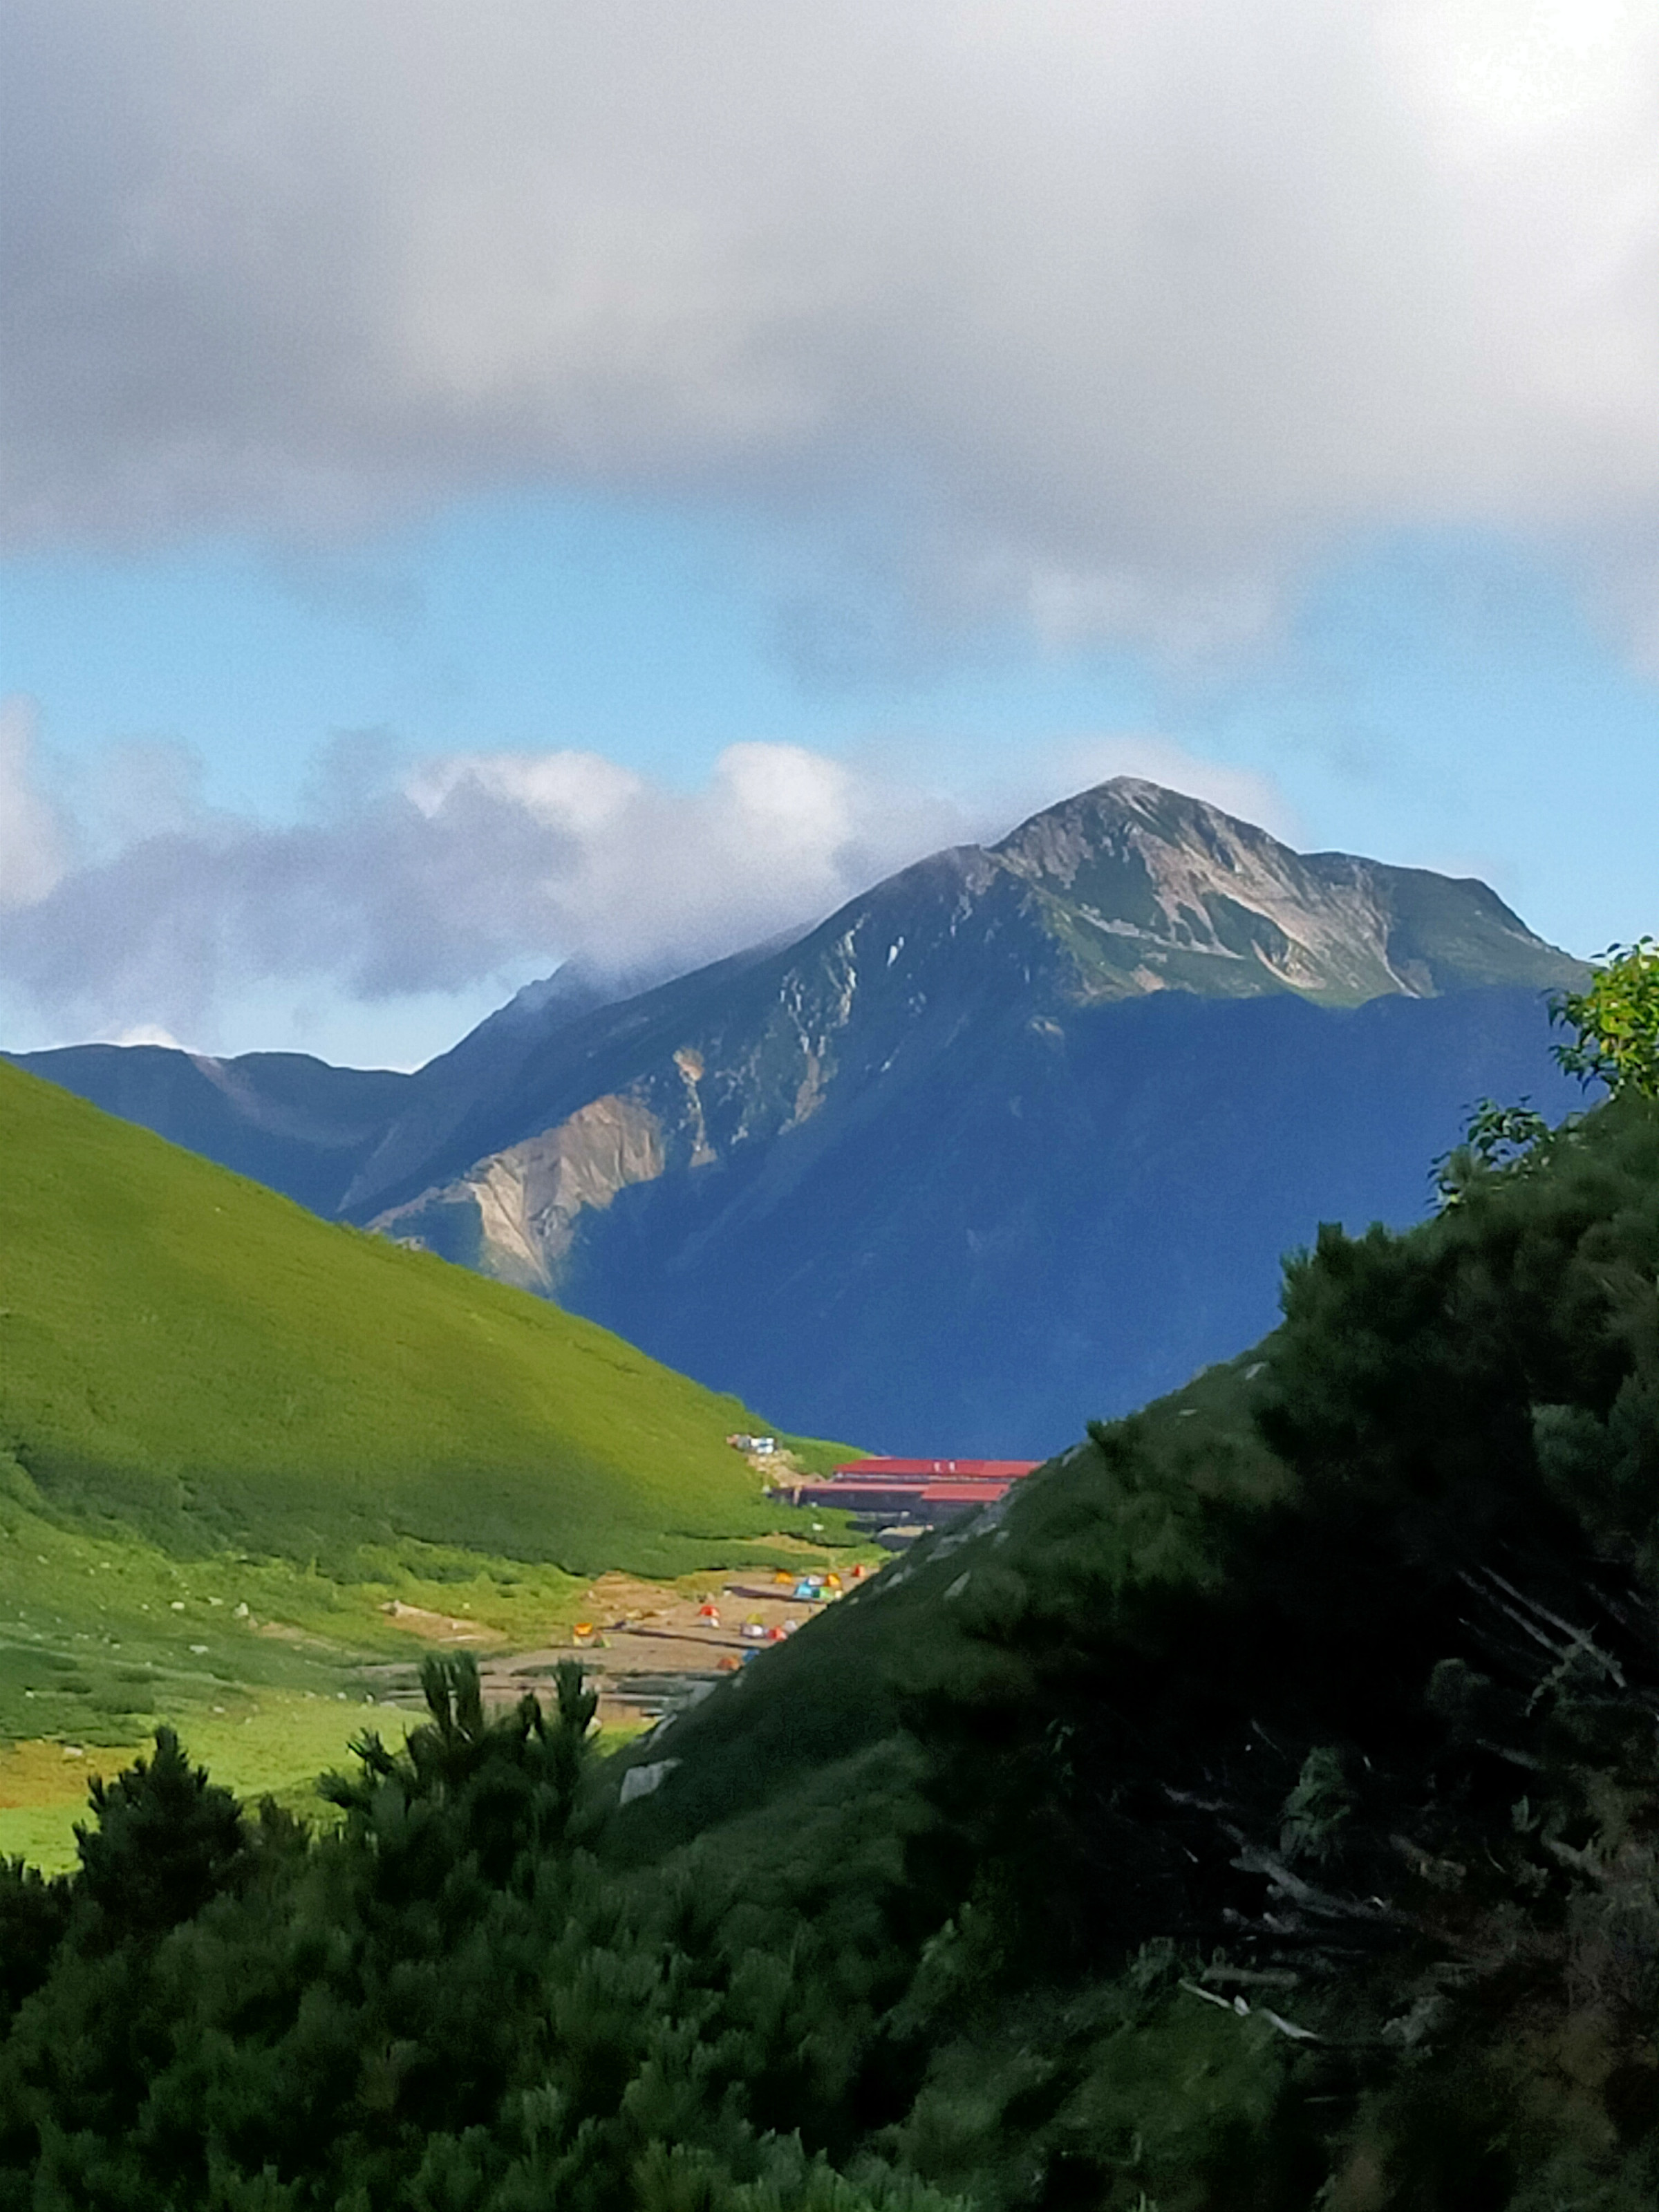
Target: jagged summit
<point>1151,889</point>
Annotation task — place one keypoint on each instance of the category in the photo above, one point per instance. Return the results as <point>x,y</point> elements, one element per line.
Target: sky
<point>482,486</point>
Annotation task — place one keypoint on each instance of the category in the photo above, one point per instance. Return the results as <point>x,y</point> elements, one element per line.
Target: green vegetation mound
<point>184,1351</point>
<point>1259,1809</point>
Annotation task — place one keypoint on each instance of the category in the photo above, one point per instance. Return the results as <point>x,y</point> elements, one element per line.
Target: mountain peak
<point>1152,888</point>
<point>1128,814</point>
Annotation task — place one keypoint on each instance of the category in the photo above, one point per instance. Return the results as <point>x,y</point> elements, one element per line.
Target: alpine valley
<point>1019,1137</point>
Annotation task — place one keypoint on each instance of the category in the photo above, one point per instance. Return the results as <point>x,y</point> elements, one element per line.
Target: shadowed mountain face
<point>1016,1138</point>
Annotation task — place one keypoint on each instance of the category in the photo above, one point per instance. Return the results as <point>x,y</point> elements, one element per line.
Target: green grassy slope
<point>230,1433</point>
<point>213,1366</point>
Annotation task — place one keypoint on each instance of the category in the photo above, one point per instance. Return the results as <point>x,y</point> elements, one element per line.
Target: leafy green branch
<point>1615,1022</point>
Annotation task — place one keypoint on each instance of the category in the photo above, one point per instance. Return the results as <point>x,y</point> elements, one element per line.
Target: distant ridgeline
<point>1017,1137</point>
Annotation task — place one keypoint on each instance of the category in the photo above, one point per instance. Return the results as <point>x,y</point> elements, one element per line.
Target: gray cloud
<point>1115,315</point>
<point>450,877</point>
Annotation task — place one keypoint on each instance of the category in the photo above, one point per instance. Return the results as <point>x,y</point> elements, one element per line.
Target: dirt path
<point>645,1647</point>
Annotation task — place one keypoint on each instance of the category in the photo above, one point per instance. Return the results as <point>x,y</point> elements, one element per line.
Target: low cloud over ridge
<point>1113,315</point>
<point>457,873</point>
<point>439,880</point>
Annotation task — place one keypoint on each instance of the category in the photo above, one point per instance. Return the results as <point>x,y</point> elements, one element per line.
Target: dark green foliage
<point>1496,1138</point>
<point>1394,1734</point>
<point>499,1792</point>
<point>166,1841</point>
<point>444,2003</point>
<point>33,1916</point>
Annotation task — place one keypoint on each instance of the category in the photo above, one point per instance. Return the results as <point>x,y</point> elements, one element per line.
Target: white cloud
<point>580,794</point>
<point>150,1033</point>
<point>31,856</point>
<point>632,875</point>
<point>1116,314</point>
<point>443,882</point>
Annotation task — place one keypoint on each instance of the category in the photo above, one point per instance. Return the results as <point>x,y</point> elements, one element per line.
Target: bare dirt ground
<point>645,1647</point>
<point>649,1645</point>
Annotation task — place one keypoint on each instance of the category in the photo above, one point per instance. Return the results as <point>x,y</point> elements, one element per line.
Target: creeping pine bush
<point>445,2003</point>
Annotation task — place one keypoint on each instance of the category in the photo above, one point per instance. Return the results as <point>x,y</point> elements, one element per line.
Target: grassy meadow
<point>191,1355</point>
<point>232,1436</point>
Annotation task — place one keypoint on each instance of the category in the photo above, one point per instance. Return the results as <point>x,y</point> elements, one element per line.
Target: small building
<point>918,1493</point>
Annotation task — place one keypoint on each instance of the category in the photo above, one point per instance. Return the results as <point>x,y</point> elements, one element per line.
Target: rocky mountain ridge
<point>1122,891</point>
<point>1179,894</point>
